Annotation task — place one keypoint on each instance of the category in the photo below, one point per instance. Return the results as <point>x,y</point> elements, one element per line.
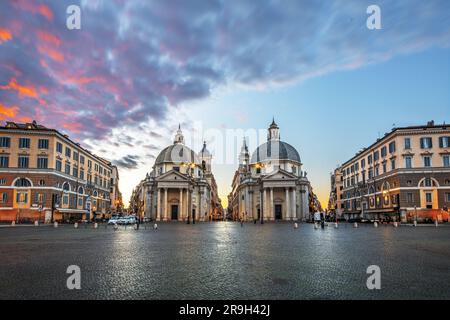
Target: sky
<point>135,70</point>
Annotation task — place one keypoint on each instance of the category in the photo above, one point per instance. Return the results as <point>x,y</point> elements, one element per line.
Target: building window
<point>393,164</point>
<point>427,161</point>
<point>80,201</point>
<point>58,165</point>
<point>428,197</point>
<point>392,147</point>
<point>42,162</point>
<point>2,181</point>
<point>22,182</point>
<point>59,147</point>
<point>89,164</point>
<point>447,197</point>
<point>444,142</point>
<point>376,156</point>
<point>258,170</point>
<point>43,143</point>
<point>81,159</point>
<point>22,197</point>
<point>67,169</point>
<point>408,162</point>
<point>4,197</point>
<point>75,172</point>
<point>446,161</point>
<point>363,163</point>
<point>409,197</point>
<point>40,198</point>
<point>369,159</point>
<point>75,156</point>
<point>42,182</point>
<point>426,143</point>
<point>65,199</point>
<point>407,143</point>
<point>383,152</point>
<point>81,174</point>
<point>384,167</point>
<point>24,143</point>
<point>4,161</point>
<point>68,152</point>
<point>23,162</point>
<point>5,142</point>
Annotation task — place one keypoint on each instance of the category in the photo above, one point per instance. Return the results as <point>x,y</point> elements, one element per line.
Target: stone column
<point>165,204</point>
<point>158,205</point>
<point>264,205</point>
<point>294,205</point>
<point>180,209</point>
<point>200,206</point>
<point>288,206</point>
<point>272,213</point>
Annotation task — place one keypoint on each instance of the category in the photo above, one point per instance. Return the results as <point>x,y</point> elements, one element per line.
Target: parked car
<point>127,220</point>
<point>114,220</point>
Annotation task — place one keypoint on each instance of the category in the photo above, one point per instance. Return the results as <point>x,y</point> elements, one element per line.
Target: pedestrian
<point>137,223</point>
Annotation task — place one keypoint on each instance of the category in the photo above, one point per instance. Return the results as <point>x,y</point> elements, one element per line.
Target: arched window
<point>80,190</point>
<point>42,182</point>
<point>66,186</point>
<point>371,190</point>
<point>95,193</point>
<point>22,182</point>
<point>428,182</point>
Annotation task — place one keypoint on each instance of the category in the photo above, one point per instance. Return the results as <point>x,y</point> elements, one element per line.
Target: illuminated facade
<point>46,176</point>
<point>271,184</point>
<point>404,175</point>
<point>180,187</point>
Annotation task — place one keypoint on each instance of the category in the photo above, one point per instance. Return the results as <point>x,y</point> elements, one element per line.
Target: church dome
<point>275,150</point>
<point>177,153</point>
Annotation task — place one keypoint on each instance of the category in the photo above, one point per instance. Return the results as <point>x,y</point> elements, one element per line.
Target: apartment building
<point>404,176</point>
<point>46,176</point>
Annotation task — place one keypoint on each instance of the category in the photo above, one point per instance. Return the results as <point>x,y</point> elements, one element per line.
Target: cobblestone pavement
<point>225,261</point>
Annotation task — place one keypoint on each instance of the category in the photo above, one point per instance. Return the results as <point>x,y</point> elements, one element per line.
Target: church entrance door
<point>174,212</point>
<point>278,214</point>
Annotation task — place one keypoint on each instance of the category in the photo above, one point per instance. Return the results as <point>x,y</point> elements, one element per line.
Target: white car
<point>127,220</point>
<point>113,220</point>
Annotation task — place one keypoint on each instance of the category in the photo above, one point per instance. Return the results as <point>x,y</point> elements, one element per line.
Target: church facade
<point>270,185</point>
<point>180,186</point>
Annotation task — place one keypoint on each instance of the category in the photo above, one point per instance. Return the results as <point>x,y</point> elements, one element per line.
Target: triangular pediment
<point>172,175</point>
<point>280,174</point>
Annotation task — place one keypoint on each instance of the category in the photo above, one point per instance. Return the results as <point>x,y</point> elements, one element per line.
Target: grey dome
<point>275,150</point>
<point>177,153</point>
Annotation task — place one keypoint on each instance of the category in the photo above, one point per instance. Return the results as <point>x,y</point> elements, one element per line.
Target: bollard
<point>436,223</point>
<point>36,223</point>
<point>296,225</point>
<point>315,225</point>
<point>355,225</point>
<point>335,225</point>
<point>55,224</point>
<point>13,223</point>
<point>135,227</point>
<point>415,223</point>
<point>115,227</point>
<point>395,224</point>
<point>375,224</point>
<point>75,225</point>
<point>155,227</point>
<point>95,225</point>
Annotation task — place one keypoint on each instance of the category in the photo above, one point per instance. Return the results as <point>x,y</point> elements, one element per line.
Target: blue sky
<point>136,69</point>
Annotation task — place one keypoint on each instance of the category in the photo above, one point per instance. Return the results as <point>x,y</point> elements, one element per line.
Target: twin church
<point>269,185</point>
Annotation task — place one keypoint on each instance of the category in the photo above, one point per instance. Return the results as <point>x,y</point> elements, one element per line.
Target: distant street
<point>225,261</point>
